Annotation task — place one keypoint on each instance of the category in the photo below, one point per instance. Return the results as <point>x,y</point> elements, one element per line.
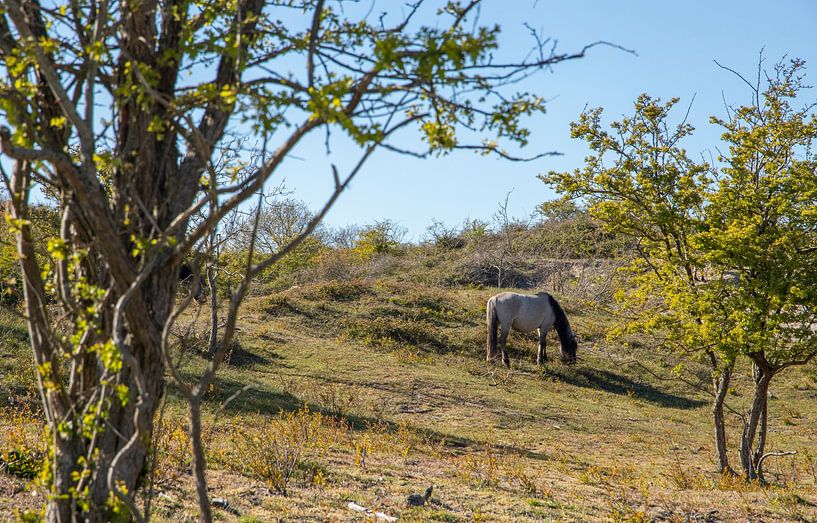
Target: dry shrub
<point>391,332</point>
<point>684,479</point>
<point>518,475</point>
<point>22,447</point>
<point>733,483</point>
<point>408,440</point>
<point>338,290</point>
<point>790,503</point>
<point>172,448</point>
<point>334,264</point>
<point>810,464</point>
<point>594,475</point>
<point>386,439</point>
<point>286,447</point>
<point>480,469</point>
<point>622,512</point>
<point>280,305</point>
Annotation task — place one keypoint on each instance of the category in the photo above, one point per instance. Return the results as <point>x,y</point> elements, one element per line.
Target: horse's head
<point>568,348</point>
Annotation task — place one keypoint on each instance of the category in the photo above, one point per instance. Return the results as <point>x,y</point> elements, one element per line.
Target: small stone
<point>223,504</point>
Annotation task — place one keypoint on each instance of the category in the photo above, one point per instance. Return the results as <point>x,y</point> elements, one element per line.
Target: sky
<point>676,44</point>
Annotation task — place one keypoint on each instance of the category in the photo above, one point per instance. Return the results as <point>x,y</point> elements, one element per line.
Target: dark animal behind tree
<point>192,279</point>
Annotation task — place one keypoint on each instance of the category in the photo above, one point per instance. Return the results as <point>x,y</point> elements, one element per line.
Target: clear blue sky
<point>676,44</point>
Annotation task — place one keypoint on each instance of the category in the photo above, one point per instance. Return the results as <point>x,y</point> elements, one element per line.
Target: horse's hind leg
<point>541,355</point>
<point>503,339</point>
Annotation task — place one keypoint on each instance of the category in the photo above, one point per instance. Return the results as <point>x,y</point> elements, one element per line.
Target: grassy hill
<point>370,390</point>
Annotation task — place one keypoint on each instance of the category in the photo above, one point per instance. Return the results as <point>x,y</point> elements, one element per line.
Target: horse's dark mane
<point>562,325</point>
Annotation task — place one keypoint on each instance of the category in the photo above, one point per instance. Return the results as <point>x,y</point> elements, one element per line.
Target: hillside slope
<point>368,391</point>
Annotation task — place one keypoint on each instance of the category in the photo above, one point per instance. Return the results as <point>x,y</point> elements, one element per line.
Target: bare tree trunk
<point>212,343</point>
<point>754,428</point>
<point>760,448</point>
<point>66,454</point>
<point>721,386</point>
<point>199,462</point>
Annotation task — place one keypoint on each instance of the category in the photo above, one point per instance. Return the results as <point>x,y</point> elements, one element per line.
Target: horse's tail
<point>492,321</point>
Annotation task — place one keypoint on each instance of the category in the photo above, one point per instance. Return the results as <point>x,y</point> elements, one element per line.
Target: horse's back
<point>526,312</point>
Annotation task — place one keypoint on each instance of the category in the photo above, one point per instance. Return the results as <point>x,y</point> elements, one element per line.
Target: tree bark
<point>199,462</point>
<point>721,386</point>
<point>63,507</point>
<point>755,425</point>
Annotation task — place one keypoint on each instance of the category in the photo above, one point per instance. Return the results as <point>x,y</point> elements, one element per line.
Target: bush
<point>45,224</point>
<point>22,449</point>
<point>338,290</point>
<point>24,463</point>
<point>385,331</point>
<point>382,237</point>
<point>278,450</point>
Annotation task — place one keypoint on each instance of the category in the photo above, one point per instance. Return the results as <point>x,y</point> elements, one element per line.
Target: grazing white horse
<point>525,312</point>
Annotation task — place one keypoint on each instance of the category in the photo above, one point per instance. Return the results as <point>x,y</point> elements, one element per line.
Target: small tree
<point>280,220</point>
<point>380,237</point>
<point>504,249</point>
<point>443,237</point>
<point>761,229</point>
<point>726,265</point>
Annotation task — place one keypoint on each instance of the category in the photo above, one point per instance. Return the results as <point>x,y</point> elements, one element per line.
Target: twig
<point>236,394</point>
<point>770,454</point>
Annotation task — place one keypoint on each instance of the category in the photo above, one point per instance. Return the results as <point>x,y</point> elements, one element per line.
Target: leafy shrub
<point>381,237</point>
<point>45,223</point>
<point>24,463</point>
<point>18,376</point>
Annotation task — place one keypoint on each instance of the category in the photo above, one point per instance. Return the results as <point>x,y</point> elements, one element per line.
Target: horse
<point>525,312</point>
<point>189,277</point>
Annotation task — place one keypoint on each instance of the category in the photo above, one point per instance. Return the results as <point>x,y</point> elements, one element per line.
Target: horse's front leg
<point>541,355</point>
<point>503,339</point>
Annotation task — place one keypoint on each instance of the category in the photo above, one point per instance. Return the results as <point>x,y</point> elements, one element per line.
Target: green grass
<point>395,376</point>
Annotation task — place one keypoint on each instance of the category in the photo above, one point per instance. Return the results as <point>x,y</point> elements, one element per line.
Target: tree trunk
<point>755,425</point>
<point>212,343</point>
<point>721,386</point>
<point>760,448</point>
<point>62,506</point>
<point>199,462</point>
<point>128,423</point>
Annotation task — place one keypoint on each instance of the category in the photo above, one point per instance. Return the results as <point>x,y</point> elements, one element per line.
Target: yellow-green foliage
<point>382,237</point>
<point>281,274</point>
<point>44,225</point>
<point>727,263</point>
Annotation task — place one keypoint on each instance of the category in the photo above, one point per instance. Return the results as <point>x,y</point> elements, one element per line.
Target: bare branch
<point>313,37</point>
<point>32,155</point>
